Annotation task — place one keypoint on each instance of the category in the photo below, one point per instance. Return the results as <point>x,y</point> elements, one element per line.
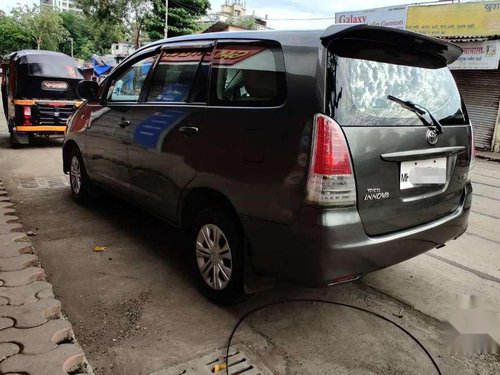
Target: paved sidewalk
<point>35,339</point>
<point>493,156</point>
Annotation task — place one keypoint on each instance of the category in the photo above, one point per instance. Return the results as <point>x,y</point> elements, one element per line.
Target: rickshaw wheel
<point>13,142</point>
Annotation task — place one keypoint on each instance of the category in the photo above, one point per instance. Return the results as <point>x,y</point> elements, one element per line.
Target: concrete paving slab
<point>14,244</point>
<point>483,206</point>
<point>6,322</point>
<point>480,252</point>
<point>22,277</point>
<point>33,314</point>
<point>431,286</point>
<point>8,349</point>
<point>39,339</point>
<point>60,361</point>
<point>28,293</point>
<point>18,263</point>
<point>483,226</point>
<point>32,339</point>
<point>7,226</point>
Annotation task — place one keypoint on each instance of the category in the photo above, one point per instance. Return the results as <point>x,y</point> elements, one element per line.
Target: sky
<point>283,14</point>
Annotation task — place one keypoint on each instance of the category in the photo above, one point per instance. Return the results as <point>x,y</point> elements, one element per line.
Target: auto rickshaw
<point>38,93</point>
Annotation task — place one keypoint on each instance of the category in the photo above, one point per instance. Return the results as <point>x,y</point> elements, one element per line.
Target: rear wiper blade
<point>420,112</point>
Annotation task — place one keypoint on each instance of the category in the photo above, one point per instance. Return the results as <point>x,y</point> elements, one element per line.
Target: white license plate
<point>422,172</point>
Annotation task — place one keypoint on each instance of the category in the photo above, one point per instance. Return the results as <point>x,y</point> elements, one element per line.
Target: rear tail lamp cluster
<point>27,115</point>
<point>331,180</point>
<point>472,150</point>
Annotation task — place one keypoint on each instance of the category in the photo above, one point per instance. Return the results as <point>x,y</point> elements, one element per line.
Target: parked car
<point>38,93</point>
<point>310,156</point>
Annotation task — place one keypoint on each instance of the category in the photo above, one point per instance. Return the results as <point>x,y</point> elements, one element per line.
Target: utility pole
<point>166,19</point>
<point>71,40</point>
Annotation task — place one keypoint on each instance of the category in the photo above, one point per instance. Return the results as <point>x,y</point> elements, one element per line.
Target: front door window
<point>127,87</point>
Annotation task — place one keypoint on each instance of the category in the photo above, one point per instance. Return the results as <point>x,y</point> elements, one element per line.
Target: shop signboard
<point>388,16</point>
<point>462,19</point>
<point>478,56</point>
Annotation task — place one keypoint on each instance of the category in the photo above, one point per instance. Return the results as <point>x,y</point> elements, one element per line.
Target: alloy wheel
<point>75,175</point>
<point>213,256</point>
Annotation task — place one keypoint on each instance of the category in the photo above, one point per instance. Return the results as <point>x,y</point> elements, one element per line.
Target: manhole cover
<point>240,362</point>
<point>41,182</point>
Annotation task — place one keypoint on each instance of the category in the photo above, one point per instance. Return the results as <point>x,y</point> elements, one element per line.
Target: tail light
<point>331,179</point>
<point>27,115</point>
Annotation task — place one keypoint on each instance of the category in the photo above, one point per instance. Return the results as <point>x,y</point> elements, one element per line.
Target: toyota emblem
<point>432,136</point>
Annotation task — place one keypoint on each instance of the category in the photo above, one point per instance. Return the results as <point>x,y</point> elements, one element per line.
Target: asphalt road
<point>136,310</point>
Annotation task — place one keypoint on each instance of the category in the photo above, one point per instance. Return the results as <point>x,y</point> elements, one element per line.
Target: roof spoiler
<point>443,49</point>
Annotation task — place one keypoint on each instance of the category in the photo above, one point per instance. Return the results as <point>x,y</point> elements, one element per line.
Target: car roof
<point>446,50</point>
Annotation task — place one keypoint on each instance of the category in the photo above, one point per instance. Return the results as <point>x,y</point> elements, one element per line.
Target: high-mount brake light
<point>331,179</point>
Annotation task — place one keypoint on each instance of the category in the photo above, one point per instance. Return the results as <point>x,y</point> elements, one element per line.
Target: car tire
<point>79,180</point>
<point>219,266</point>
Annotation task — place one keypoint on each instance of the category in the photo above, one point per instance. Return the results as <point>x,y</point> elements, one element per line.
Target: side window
<point>127,87</point>
<point>174,76</point>
<point>248,74</point>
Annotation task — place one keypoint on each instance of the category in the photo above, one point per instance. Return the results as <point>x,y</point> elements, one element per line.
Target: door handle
<point>124,123</point>
<point>188,130</point>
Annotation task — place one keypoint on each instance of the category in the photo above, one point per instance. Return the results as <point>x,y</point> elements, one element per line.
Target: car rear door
<point>406,173</point>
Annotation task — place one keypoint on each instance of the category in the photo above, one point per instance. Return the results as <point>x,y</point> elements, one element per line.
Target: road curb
<point>35,338</point>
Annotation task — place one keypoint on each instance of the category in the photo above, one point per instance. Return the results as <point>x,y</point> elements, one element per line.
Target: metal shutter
<point>481,92</point>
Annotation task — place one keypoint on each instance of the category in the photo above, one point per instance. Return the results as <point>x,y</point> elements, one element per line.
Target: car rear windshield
<point>359,89</point>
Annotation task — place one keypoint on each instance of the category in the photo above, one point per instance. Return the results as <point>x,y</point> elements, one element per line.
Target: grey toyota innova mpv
<point>311,156</point>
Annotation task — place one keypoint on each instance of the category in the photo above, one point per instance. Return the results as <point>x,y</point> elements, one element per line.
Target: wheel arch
<point>196,199</point>
<point>69,146</point>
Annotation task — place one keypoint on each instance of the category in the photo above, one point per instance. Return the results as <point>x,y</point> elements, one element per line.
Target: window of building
<point>248,74</point>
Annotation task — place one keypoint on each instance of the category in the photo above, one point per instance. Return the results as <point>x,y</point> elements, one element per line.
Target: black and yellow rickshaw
<point>38,93</point>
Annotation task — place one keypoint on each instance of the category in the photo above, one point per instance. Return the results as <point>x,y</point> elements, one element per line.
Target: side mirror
<point>88,90</point>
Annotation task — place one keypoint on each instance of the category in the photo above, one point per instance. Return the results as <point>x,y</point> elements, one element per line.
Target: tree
<point>182,17</point>
<point>120,17</point>
<point>89,36</point>
<point>43,26</point>
<point>14,37</point>
<point>138,11</point>
<point>105,21</point>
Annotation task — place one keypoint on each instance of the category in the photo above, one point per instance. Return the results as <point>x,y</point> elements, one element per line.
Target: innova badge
<point>432,136</point>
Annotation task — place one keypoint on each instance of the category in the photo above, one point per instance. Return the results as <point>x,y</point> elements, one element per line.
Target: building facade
<point>61,5</point>
<point>233,14</point>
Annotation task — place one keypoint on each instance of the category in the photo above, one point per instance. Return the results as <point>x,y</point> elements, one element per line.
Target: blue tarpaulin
<point>100,67</point>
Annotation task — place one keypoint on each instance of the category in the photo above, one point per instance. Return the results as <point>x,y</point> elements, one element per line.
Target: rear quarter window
<point>248,74</point>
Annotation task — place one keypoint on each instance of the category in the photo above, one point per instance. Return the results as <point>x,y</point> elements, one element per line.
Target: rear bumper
<point>324,245</point>
<point>41,128</point>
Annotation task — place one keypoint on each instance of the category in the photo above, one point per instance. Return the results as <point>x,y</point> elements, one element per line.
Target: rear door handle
<point>124,123</point>
<point>188,130</point>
